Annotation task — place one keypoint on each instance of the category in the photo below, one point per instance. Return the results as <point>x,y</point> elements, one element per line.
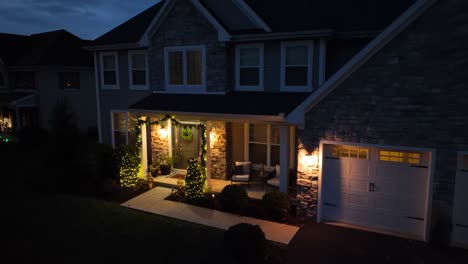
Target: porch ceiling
<point>234,103</point>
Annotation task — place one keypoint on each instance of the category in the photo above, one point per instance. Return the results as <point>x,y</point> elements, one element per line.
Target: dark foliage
<point>246,243</point>
<point>233,198</point>
<point>276,205</point>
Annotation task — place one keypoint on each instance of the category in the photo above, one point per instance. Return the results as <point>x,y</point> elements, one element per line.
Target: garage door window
<point>350,152</point>
<point>400,156</point>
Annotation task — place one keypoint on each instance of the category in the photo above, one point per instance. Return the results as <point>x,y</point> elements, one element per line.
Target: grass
<point>63,228</point>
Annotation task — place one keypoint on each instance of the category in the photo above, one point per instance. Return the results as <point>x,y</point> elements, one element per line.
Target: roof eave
<point>113,46</point>
<point>283,35</point>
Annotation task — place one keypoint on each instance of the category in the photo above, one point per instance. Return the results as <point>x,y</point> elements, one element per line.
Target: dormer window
<point>109,70</point>
<point>24,80</point>
<point>296,66</point>
<point>249,67</point>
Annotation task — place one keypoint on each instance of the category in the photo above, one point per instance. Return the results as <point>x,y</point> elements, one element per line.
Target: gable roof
<point>338,15</point>
<point>131,30</point>
<point>233,103</point>
<point>297,115</point>
<point>54,48</point>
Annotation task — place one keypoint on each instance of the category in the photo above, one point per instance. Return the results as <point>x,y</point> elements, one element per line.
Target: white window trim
<point>130,70</point>
<point>268,144</point>
<point>259,87</point>
<point>185,87</point>
<point>101,58</point>
<point>308,87</point>
<point>127,115</point>
<point>4,80</point>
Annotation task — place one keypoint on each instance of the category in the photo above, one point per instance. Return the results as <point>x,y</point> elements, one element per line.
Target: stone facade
<point>218,150</point>
<point>307,183</point>
<point>412,93</point>
<point>186,26</point>
<point>159,143</point>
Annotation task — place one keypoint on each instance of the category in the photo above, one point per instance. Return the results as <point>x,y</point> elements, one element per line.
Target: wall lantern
<point>162,131</point>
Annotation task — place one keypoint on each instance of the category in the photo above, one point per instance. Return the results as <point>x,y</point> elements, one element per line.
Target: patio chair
<point>275,180</point>
<point>242,172</point>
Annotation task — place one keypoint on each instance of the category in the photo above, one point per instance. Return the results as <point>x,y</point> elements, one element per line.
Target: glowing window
<point>400,156</point>
<point>350,152</point>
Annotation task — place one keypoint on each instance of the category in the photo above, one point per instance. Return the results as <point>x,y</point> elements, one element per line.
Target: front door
<point>185,145</point>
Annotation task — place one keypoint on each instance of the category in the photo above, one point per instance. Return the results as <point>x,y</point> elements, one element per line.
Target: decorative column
<point>284,154</point>
<point>208,155</point>
<point>144,149</point>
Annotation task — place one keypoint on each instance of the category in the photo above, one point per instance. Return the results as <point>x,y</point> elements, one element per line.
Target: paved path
<point>153,202</point>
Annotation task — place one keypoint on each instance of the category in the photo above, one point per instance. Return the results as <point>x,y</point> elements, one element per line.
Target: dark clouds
<point>85,18</point>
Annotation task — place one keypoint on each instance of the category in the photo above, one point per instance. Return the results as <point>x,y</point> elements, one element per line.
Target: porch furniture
<point>263,176</point>
<point>274,181</point>
<point>242,172</point>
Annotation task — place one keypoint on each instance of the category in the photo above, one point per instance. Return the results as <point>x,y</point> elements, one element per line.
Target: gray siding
<point>185,26</point>
<point>412,93</point>
<point>272,64</point>
<point>82,101</point>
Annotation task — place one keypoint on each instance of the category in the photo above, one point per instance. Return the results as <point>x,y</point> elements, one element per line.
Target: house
<point>38,70</point>
<point>345,93</point>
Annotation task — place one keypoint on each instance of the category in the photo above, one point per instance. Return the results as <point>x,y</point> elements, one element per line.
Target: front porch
<point>218,143</point>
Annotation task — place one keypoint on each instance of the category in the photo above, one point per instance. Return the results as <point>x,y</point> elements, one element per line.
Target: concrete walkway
<point>153,202</point>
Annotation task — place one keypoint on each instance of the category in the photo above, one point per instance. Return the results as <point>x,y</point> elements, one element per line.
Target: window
<point>264,145</point>
<point>399,156</point>
<point>123,129</point>
<point>350,152</point>
<point>2,80</point>
<point>24,80</point>
<point>138,69</point>
<point>296,66</point>
<point>109,69</point>
<point>185,67</point>
<point>249,67</point>
<point>69,80</point>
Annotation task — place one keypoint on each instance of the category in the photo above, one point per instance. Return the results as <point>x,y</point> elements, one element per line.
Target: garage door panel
<point>397,201</point>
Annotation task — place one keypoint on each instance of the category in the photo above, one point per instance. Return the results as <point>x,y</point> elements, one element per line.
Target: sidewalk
<point>153,202</point>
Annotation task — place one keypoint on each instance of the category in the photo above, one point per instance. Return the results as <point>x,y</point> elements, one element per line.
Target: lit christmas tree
<point>194,180</point>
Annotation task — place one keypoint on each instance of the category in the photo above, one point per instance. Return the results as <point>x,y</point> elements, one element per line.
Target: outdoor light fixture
<point>308,160</point>
<point>163,131</point>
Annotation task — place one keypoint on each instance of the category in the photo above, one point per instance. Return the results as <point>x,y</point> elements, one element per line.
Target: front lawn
<point>63,229</point>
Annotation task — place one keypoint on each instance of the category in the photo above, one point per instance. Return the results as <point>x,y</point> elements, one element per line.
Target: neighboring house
<point>364,99</point>
<point>38,70</point>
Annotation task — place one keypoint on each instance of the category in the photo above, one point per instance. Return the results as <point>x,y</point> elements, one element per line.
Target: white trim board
<point>297,115</point>
<point>251,15</point>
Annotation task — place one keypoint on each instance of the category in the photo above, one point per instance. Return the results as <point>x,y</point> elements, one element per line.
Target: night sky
<point>88,19</point>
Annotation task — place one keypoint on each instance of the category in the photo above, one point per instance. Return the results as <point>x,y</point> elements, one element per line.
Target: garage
<point>460,206</point>
<point>379,187</point>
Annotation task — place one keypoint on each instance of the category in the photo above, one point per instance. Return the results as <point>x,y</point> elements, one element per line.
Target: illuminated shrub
<point>194,180</point>
<point>129,165</point>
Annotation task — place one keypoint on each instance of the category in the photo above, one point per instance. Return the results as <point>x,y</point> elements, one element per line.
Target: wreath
<point>187,134</point>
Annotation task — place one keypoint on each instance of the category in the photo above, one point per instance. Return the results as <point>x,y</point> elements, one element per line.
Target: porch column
<point>144,148</point>
<point>208,155</point>
<point>284,154</point>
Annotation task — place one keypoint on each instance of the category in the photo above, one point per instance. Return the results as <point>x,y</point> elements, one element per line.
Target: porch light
<point>308,160</point>
<point>162,131</point>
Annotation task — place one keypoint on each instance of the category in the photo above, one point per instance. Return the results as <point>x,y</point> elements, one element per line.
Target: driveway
<point>322,243</point>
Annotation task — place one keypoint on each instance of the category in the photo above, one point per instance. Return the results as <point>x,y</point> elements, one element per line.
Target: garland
<point>174,121</point>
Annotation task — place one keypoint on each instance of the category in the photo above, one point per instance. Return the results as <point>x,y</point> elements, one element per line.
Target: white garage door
<point>460,208</point>
<point>375,187</point>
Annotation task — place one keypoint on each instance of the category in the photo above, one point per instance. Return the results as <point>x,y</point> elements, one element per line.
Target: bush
<point>233,198</point>
<point>194,180</point>
<point>246,243</point>
<point>276,204</point>
<point>128,159</point>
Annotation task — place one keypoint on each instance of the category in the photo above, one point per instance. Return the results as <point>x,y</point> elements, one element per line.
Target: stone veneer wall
<point>159,144</point>
<point>218,150</point>
<point>307,183</point>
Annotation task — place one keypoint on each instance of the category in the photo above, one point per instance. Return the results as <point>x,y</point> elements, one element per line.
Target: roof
<point>279,15</point>
<point>235,103</point>
<point>54,48</point>
<point>338,15</point>
<point>131,30</point>
<point>10,97</point>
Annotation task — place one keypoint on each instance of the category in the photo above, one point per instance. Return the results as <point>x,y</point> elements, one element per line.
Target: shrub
<point>233,198</point>
<point>275,204</point>
<point>129,165</point>
<point>194,180</point>
<point>245,243</point>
